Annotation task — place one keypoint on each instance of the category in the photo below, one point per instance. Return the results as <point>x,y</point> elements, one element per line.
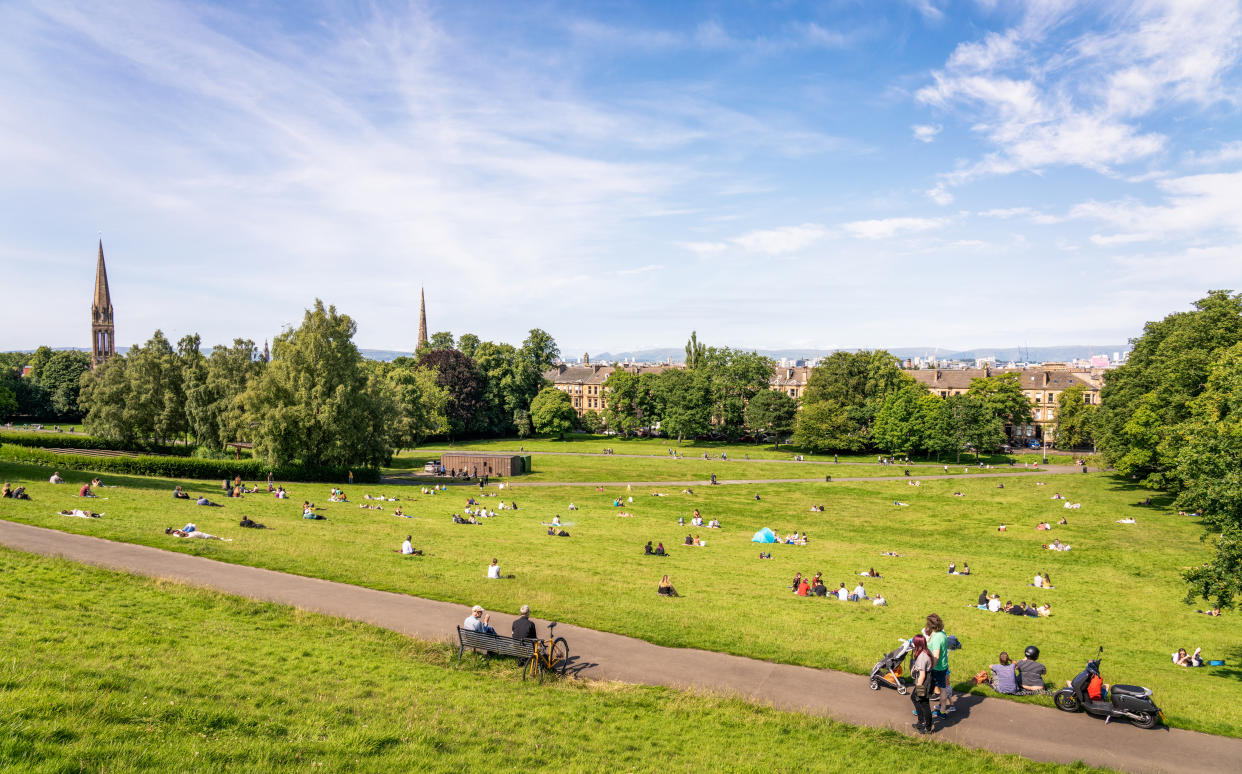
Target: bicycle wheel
<point>558,658</point>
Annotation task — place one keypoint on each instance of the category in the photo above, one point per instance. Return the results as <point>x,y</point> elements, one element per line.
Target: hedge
<point>67,441</point>
<point>182,467</point>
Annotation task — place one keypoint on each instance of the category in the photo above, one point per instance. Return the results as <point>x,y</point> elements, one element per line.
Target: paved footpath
<point>1036,732</point>
<point>516,484</point>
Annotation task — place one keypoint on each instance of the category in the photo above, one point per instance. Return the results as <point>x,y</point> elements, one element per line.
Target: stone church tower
<point>103,333</point>
<point>422,317</point>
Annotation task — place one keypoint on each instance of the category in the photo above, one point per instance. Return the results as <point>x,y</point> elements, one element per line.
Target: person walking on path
<point>920,670</point>
<point>938,644</point>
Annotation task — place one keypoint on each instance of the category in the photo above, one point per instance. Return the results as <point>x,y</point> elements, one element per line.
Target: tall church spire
<point>103,332</point>
<point>422,317</point>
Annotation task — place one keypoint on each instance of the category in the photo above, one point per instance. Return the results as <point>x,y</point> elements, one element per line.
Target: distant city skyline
<point>799,175</point>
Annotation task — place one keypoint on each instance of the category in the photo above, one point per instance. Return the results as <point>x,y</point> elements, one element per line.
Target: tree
<point>856,383</point>
<point>1209,477</point>
<point>419,403</point>
<point>214,387</point>
<point>898,424</point>
<point>521,420</point>
<point>510,382</point>
<point>826,426</point>
<point>771,411</point>
<point>315,403</point>
<point>1002,395</point>
<point>540,350</point>
<point>695,350</point>
<point>684,402</point>
<point>441,340</point>
<point>104,397</point>
<point>975,424</point>
<point>1074,418</point>
<point>629,401</point>
<point>8,402</point>
<point>155,404</point>
<point>551,412</point>
<point>735,378</point>
<point>940,434</point>
<point>1144,401</point>
<point>460,377</point>
<point>467,344</point>
<point>61,378</point>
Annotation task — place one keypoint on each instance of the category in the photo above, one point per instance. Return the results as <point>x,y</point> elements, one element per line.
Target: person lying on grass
<point>1181,658</point>
<point>665,588</point>
<point>554,532</point>
<point>202,500</point>
<point>194,534</point>
<point>250,523</point>
<point>81,514</point>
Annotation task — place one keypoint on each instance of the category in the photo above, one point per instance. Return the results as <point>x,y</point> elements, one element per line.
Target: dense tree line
<point>49,392</point>
<point>1171,418</point>
<point>318,403</point>
<point>862,401</point>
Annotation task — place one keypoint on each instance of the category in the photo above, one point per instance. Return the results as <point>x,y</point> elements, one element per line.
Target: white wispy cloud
<point>1040,103</point>
<point>638,270</point>
<point>1193,205</point>
<point>886,228</point>
<point>704,248</point>
<point>779,241</point>
<point>926,132</point>
<point>940,194</point>
<point>1226,153</point>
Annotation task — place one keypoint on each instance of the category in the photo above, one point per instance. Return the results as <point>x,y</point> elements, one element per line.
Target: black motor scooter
<point>1131,702</point>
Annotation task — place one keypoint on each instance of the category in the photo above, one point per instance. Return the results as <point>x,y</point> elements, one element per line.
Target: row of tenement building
<point>1042,385</point>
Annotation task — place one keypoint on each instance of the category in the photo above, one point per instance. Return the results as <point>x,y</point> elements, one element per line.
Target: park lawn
<point>114,673</point>
<point>580,443</point>
<point>1119,587</point>
<point>568,468</point>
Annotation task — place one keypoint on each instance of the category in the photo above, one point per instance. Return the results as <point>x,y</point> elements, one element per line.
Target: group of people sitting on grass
<point>693,540</point>
<point>806,586</point>
<point>657,551</point>
<point>16,494</point>
<point>1042,581</point>
<point>458,519</point>
<point>337,496</point>
<point>1021,678</point>
<point>1057,545</point>
<point>992,604</point>
<point>954,571</point>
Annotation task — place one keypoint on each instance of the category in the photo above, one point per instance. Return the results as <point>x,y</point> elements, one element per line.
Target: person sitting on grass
<point>843,593</point>
<point>953,568</point>
<point>689,541</point>
<point>85,491</point>
<point>965,570</point>
<point>648,550</point>
<point>56,479</point>
<point>1004,675</point>
<point>1043,611</point>
<point>554,532</point>
<point>477,621</point>
<point>982,603</point>
<point>859,593</point>
<point>281,494</point>
<point>659,550</point>
<point>1063,522</point>
<point>994,604</point>
<point>713,524</point>
<point>250,523</point>
<point>1031,672</point>
<point>879,601</point>
<point>308,512</point>
<point>665,588</point>
<point>818,588</point>
<point>493,569</point>
<point>179,493</point>
<point>202,500</point>
<point>408,549</point>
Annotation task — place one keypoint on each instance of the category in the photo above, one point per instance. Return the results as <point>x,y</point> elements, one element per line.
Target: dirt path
<point>1036,732</point>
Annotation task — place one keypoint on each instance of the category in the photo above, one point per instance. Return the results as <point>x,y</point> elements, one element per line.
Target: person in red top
<point>85,491</point>
<point>804,587</point>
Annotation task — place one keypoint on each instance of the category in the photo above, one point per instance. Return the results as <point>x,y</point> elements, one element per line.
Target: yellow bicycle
<point>551,656</point>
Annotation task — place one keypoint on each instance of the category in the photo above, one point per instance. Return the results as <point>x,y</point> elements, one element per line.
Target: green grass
<point>107,672</point>
<point>1120,586</point>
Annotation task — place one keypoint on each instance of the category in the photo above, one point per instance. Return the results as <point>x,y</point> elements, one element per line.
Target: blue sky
<point>829,174</point>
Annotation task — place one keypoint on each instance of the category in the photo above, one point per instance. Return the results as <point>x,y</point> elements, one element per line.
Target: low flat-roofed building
<point>485,464</point>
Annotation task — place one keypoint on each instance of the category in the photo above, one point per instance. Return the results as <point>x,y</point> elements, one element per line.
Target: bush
<point>64,441</point>
<point>181,467</point>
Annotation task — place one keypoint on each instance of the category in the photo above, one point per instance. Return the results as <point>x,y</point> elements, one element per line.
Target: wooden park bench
<point>494,643</point>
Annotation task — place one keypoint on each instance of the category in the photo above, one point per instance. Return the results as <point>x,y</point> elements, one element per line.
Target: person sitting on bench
<point>477,621</point>
<point>523,627</point>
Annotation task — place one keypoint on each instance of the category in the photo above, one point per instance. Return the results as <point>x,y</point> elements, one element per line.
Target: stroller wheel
<point>901,689</point>
<point>875,684</point>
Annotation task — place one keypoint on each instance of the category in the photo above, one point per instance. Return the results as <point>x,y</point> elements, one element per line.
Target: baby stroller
<point>887,670</point>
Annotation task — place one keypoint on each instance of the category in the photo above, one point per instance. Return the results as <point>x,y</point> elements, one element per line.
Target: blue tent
<point>764,535</point>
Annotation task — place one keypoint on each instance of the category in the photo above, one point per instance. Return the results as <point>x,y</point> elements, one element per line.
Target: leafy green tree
<point>771,411</point>
<point>315,403</point>
<point>695,351</point>
<point>540,350</point>
<point>61,377</point>
<point>511,379</point>
<point>467,344</point>
<point>37,361</point>
<point>630,402</point>
<point>976,424</point>
<point>1209,476</point>
<point>856,383</point>
<point>8,402</point>
<point>156,401</point>
<point>735,378</point>
<point>521,420</point>
<point>591,422</point>
<point>1002,395</point>
<point>105,397</point>
<point>552,413</point>
<point>898,424</point>
<point>685,402</point>
<point>1074,418</point>
<point>214,388</point>
<point>420,404</point>
<point>940,433</point>
<point>441,340</point>
<point>826,426</point>
<point>1144,402</point>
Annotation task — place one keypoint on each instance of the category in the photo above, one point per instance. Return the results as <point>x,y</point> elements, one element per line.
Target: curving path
<point>1036,732</point>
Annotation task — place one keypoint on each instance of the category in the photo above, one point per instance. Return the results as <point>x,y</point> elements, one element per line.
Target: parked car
<point>1033,444</point>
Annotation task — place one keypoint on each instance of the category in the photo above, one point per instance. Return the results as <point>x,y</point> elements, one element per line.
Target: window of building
<point>1037,414</point>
